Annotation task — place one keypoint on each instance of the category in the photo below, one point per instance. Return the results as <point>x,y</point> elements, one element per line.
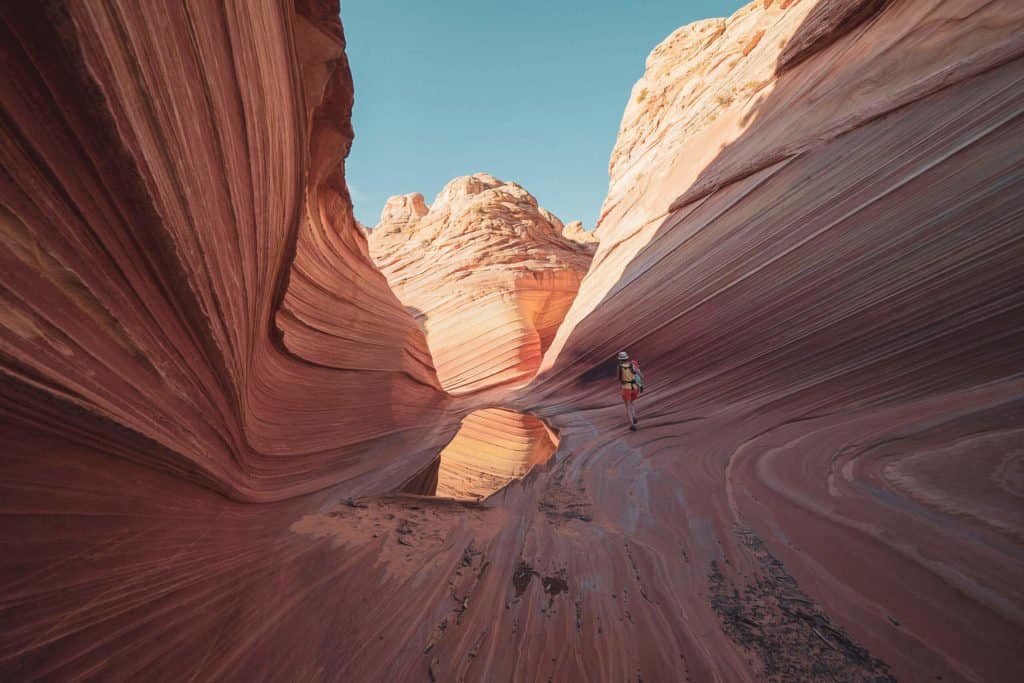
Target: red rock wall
<point>187,310</point>
<point>817,262</point>
<point>180,258</point>
<point>817,271</point>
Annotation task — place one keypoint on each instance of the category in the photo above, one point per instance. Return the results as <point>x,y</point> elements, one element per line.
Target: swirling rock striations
<point>812,241</point>
<point>180,259</point>
<point>189,318</point>
<point>491,448</point>
<point>486,271</point>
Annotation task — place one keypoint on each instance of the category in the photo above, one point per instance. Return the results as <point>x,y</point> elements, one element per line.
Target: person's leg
<point>632,410</point>
<point>625,400</point>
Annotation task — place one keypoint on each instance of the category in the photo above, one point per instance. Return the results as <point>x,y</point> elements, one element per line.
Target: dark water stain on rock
<point>521,577</point>
<point>553,585</point>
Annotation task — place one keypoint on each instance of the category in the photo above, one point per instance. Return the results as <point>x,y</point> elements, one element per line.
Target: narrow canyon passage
<point>243,438</point>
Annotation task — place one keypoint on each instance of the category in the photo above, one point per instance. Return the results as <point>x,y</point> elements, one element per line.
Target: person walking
<point>631,385</point>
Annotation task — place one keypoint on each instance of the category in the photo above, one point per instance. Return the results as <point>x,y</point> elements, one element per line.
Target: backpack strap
<point>636,383</point>
<point>638,377</point>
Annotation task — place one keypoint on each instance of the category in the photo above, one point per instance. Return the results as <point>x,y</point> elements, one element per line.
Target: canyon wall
<point>487,273</point>
<point>811,241</point>
<point>189,318</point>
<point>181,264</point>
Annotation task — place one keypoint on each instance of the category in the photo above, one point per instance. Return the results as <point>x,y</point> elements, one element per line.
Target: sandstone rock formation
<point>491,448</point>
<point>812,241</point>
<point>180,258</point>
<point>585,238</point>
<point>818,273</point>
<point>487,273</point>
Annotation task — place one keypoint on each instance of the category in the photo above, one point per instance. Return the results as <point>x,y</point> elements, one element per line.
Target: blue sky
<point>529,90</point>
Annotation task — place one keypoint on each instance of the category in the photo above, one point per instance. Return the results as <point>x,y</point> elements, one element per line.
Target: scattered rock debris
<point>553,585</point>
<point>461,584</point>
<point>786,636</point>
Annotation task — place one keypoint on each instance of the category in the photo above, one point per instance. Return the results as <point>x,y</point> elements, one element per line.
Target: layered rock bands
<point>210,395</point>
<point>487,273</point>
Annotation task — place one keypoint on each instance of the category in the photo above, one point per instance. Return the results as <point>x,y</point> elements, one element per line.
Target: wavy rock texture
<point>487,273</point>
<point>812,241</point>
<point>180,258</point>
<point>819,277</point>
<point>187,308</point>
<point>491,448</point>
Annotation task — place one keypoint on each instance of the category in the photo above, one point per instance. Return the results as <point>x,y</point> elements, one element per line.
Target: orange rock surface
<point>487,273</point>
<point>491,448</point>
<point>586,238</point>
<point>209,394</point>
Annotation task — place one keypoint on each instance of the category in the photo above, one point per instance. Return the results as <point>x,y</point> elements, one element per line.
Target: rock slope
<point>812,242</point>
<point>487,273</point>
<point>819,277</point>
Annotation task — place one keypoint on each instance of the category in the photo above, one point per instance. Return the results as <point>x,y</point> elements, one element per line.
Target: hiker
<point>631,383</point>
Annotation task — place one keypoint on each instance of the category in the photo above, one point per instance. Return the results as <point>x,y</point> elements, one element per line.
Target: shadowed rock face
<point>180,258</point>
<point>818,272</point>
<point>488,274</point>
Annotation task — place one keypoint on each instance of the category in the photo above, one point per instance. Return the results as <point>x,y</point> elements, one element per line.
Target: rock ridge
<point>483,264</point>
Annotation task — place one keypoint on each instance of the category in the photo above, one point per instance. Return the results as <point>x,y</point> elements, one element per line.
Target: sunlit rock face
<point>492,448</point>
<point>486,272</point>
<point>812,242</point>
<point>585,238</point>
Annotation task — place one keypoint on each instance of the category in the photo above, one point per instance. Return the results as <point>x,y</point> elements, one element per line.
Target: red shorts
<point>630,394</point>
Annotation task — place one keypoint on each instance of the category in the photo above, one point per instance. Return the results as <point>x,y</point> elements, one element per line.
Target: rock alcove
<point>492,448</point>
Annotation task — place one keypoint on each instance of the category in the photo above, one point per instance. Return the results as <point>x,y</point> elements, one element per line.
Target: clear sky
<point>527,90</point>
